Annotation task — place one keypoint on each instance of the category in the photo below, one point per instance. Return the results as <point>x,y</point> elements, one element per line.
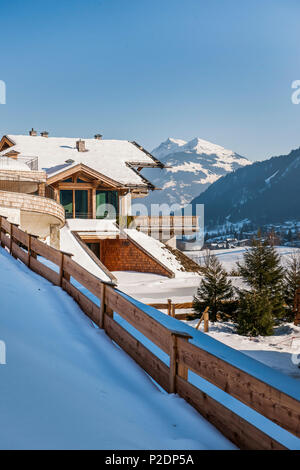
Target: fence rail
<point>274,404</point>
<point>171,308</point>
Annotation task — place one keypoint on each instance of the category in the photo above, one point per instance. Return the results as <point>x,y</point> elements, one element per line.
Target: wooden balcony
<point>166,227</point>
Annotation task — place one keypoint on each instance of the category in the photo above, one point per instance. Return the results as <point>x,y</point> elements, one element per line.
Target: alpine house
<point>73,193</point>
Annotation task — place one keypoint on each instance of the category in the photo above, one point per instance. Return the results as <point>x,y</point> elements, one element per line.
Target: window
<point>79,180</point>
<point>75,205</point>
<point>107,204</point>
<point>66,200</point>
<point>81,204</point>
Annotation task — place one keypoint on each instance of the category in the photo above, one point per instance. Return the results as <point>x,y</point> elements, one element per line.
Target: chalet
<point>66,189</point>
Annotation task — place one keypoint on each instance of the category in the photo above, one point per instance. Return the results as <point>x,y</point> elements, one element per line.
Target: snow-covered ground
<point>154,288</point>
<point>275,351</point>
<point>67,386</point>
<point>230,257</point>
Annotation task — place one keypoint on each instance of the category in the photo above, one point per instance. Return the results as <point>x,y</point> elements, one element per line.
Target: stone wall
<point>27,202</point>
<point>19,175</point>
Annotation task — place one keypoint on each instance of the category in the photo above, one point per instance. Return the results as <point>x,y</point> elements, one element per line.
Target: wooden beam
<point>74,204</point>
<point>175,367</point>
<point>169,306</point>
<point>80,186</point>
<point>93,203</point>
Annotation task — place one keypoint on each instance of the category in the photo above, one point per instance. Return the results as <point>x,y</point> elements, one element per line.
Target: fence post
<point>32,253</point>
<point>62,273</point>
<point>204,317</point>
<point>206,321</point>
<point>11,238</point>
<point>61,270</point>
<point>102,306</point>
<point>173,310</point>
<point>109,311</point>
<point>169,307</point>
<point>29,250</point>
<point>175,367</point>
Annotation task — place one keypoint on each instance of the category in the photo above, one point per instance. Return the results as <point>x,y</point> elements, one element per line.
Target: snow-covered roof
<point>13,164</point>
<point>112,158</point>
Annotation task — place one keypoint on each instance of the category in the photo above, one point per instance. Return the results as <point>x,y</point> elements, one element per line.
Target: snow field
<point>67,386</point>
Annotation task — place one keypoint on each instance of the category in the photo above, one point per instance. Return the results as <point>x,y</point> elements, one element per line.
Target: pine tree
<point>262,272</point>
<point>214,287</point>
<point>255,314</point>
<point>291,282</point>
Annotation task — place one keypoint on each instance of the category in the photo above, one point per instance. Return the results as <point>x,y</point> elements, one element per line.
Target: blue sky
<point>146,70</point>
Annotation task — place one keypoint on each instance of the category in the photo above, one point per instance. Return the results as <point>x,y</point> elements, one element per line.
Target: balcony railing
<point>175,224</point>
<point>26,187</point>
<point>78,215</point>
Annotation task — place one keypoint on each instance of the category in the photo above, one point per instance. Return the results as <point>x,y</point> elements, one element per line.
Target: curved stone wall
<point>32,203</point>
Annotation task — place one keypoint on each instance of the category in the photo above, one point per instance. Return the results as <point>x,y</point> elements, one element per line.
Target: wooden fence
<point>171,308</point>
<point>274,404</point>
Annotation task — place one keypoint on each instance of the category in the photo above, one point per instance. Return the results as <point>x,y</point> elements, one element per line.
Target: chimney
<point>32,132</point>
<point>98,136</point>
<point>44,134</point>
<point>80,145</point>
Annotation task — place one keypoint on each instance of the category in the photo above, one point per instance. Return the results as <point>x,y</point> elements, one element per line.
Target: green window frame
<point>107,204</point>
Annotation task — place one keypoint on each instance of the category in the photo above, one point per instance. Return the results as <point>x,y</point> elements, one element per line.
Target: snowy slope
<point>194,165</point>
<point>67,386</point>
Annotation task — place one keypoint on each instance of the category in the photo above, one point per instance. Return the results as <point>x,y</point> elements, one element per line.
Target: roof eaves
<point>147,182</point>
<point>157,162</point>
<point>10,139</point>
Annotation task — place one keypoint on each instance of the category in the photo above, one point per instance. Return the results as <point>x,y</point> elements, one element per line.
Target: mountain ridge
<point>267,192</point>
<point>191,166</point>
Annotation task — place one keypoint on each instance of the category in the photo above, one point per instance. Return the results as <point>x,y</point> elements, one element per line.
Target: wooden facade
<point>82,190</point>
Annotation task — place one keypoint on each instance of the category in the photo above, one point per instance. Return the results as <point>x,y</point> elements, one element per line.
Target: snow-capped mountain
<point>267,192</point>
<point>191,167</point>
<point>168,146</point>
